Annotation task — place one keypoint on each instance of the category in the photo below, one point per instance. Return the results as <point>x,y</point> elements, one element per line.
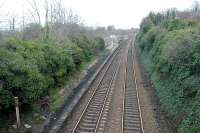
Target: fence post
<point>17,114</point>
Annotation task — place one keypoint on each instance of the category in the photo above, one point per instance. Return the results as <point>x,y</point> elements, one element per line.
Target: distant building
<point>111,41</point>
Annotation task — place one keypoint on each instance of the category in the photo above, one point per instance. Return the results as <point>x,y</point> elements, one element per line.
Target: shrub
<point>20,78</point>
<point>170,52</point>
<point>177,24</point>
<point>30,68</point>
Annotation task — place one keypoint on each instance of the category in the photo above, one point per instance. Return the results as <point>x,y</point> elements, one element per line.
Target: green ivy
<point>170,52</point>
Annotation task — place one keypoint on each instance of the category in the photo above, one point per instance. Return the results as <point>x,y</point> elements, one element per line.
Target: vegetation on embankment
<point>169,45</point>
<point>31,69</point>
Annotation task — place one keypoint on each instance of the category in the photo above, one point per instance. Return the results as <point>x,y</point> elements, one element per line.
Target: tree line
<point>169,45</point>
<point>41,54</point>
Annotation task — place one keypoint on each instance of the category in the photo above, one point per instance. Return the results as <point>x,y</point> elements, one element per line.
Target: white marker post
<point>17,114</point>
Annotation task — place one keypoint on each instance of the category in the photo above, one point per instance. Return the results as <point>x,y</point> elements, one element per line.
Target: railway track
<point>92,114</point>
<point>131,119</point>
<point>66,119</point>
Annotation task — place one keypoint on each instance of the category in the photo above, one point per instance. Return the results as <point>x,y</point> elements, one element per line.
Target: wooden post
<point>13,24</point>
<point>17,114</point>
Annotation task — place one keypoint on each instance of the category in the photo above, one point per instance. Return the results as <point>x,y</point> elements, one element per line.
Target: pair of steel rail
<point>131,115</point>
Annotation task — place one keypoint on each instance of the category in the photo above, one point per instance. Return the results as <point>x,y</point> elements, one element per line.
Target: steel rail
<point>129,55</point>
<point>124,89</point>
<point>102,110</point>
<point>97,125</point>
<point>99,83</point>
<point>136,85</point>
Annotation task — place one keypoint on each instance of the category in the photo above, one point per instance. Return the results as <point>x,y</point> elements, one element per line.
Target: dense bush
<point>84,43</point>
<point>29,68</point>
<point>170,51</point>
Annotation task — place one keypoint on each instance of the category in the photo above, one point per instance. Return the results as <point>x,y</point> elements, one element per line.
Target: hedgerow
<point>30,68</point>
<point>170,51</point>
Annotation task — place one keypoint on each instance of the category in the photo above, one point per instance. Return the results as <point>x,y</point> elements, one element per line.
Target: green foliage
<point>146,25</point>
<point>84,43</point>
<point>89,46</point>
<point>177,24</point>
<point>170,51</point>
<point>147,41</point>
<point>157,18</point>
<point>30,68</point>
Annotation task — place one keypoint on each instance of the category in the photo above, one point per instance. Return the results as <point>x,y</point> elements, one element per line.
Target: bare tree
<point>40,10</point>
<point>72,17</point>
<point>12,21</point>
<point>58,12</point>
<point>196,6</point>
<point>35,13</point>
<point>193,14</point>
<point>58,21</point>
<point>47,19</point>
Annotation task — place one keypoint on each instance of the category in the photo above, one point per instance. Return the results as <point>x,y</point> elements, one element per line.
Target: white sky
<point>120,13</point>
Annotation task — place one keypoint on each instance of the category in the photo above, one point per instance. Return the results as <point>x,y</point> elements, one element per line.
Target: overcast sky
<point>120,13</point>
